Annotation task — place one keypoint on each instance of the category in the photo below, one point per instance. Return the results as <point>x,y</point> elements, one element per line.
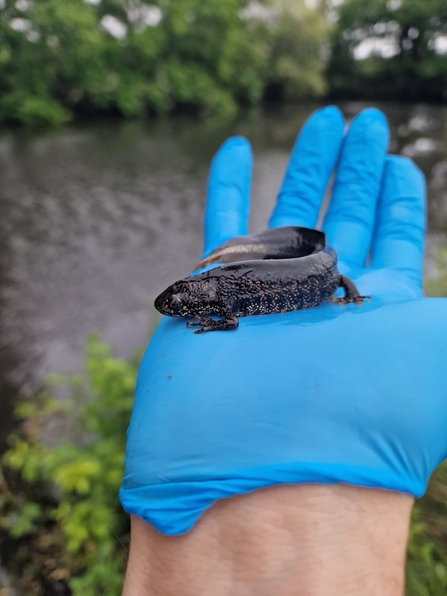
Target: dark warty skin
<point>288,269</point>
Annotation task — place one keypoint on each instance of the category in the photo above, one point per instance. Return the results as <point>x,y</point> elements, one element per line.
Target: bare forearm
<point>306,540</point>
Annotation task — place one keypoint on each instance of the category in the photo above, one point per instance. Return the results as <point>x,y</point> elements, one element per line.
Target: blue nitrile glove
<point>354,394</point>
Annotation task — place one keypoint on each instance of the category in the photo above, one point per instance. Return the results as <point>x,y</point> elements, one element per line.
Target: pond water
<point>96,220</point>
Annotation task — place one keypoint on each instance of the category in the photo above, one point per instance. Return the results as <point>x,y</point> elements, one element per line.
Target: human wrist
<point>303,540</point>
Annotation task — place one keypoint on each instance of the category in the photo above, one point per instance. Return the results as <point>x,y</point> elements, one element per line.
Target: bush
<point>59,499</point>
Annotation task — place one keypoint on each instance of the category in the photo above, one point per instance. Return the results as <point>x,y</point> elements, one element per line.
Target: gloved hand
<point>354,394</point>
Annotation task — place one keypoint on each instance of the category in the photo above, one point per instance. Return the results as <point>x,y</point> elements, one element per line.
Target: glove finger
<point>310,167</point>
<point>228,195</point>
<point>350,218</point>
<point>399,233</point>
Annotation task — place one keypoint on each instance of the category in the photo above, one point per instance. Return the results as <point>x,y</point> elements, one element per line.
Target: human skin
<point>306,540</point>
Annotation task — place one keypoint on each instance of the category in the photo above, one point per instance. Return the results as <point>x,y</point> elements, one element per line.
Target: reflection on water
<point>97,220</point>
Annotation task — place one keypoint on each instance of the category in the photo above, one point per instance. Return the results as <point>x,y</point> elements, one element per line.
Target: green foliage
<point>427,551</point>
<point>295,67</point>
<point>23,523</point>
<point>33,111</point>
<point>438,287</point>
<point>411,28</point>
<point>61,500</point>
<point>58,58</point>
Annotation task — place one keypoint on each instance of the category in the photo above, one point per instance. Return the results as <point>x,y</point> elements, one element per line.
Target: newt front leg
<point>229,321</point>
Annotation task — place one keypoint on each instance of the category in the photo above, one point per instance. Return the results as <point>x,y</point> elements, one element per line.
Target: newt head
<point>187,298</point>
<point>172,301</point>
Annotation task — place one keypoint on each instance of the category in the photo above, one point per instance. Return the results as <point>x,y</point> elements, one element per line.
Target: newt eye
<point>176,303</point>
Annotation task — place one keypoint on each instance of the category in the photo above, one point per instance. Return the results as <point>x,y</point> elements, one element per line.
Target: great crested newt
<point>278,270</point>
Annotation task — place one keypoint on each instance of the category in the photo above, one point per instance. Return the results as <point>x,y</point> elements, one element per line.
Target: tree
<point>296,35</point>
<point>405,61</point>
<point>59,58</point>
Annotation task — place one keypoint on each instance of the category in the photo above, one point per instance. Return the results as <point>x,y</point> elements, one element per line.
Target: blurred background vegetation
<point>61,59</point>
<point>390,49</point>
<point>79,203</point>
